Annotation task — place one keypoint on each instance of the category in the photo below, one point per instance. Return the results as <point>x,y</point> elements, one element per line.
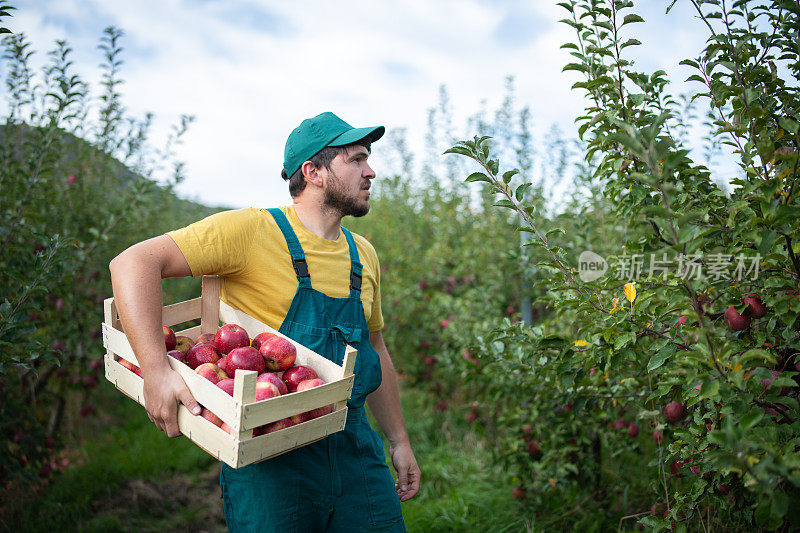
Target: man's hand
<point>162,393</point>
<point>408,474</point>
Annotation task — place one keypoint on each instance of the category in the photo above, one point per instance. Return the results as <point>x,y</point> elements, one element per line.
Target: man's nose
<point>368,173</point>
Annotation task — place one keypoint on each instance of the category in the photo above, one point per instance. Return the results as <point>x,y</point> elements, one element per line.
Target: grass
<point>127,476</point>
<point>461,490</point>
<point>120,478</point>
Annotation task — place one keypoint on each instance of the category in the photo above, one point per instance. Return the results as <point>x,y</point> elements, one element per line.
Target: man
<point>296,269</point>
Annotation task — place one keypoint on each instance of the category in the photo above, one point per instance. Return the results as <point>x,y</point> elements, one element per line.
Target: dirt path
<point>176,503</point>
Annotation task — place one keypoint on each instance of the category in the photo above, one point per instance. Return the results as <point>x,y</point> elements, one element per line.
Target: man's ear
<point>311,173</point>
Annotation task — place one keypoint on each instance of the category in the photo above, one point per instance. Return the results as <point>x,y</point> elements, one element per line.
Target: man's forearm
<point>138,297</point>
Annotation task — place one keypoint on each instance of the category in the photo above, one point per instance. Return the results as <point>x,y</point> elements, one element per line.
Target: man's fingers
<point>171,422</point>
<point>189,402</point>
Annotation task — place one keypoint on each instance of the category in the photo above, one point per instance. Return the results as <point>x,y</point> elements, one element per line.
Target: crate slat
<point>117,343</point>
<point>288,439</point>
<point>192,333</point>
<point>181,312</point>
<point>209,312</point>
<point>274,409</point>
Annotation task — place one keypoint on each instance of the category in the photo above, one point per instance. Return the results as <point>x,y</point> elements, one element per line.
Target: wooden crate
<point>241,412</point>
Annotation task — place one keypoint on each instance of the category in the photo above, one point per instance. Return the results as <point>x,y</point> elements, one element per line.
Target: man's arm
<point>385,406</point>
<point>136,276</point>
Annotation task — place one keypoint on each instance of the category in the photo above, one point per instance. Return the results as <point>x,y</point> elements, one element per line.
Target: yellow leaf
<point>737,367</point>
<point>630,291</point>
<point>581,342</point>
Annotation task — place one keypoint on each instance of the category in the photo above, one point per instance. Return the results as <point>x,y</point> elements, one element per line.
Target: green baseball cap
<point>314,134</point>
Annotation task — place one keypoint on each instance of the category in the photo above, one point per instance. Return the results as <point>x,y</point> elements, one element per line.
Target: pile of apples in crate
<point>217,357</point>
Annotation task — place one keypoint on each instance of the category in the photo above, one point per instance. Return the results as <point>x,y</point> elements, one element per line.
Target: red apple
<point>211,372</point>
<point>735,321</point>
<point>766,383</point>
<point>130,366</point>
<point>245,358</point>
<point>274,426</point>
<point>266,390</point>
<point>260,339</point>
<point>755,307</point>
<point>169,337</point>
<point>227,429</point>
<point>633,430</point>
<point>211,417</point>
<point>183,344</point>
<point>226,385</point>
<point>657,436</point>
<point>620,423</point>
<point>300,418</point>
<point>674,412</point>
<point>320,411</point>
<point>200,353</point>
<point>279,354</point>
<point>275,380</point>
<point>518,493</point>
<point>534,450</point>
<point>229,337</point>
<point>205,337</point>
<point>296,374</point>
<point>177,354</point>
<point>223,364</point>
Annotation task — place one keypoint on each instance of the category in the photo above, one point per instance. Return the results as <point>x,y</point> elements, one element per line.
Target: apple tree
<point>691,336</point>
<point>76,187</point>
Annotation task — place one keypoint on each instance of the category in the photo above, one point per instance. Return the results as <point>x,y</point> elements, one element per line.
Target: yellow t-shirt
<point>246,248</point>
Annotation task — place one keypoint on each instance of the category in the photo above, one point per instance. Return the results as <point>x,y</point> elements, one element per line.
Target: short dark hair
<point>323,158</point>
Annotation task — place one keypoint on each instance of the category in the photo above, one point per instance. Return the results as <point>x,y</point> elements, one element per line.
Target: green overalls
<point>340,483</point>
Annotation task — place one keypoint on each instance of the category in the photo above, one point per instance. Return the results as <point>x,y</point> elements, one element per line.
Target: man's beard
<point>336,199</point>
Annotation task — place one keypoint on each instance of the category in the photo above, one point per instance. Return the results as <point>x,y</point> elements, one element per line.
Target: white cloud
<point>251,71</point>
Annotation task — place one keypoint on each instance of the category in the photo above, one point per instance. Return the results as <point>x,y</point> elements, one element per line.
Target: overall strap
<point>298,257</point>
<point>355,266</point>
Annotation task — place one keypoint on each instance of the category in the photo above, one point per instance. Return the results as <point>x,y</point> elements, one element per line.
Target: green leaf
<point>575,66</point>
<point>477,176</point>
<point>756,353</point>
<point>461,150</point>
<point>750,419</point>
<point>504,203</point>
<point>631,18</point>
<point>624,339</point>
<point>630,42</point>
<point>788,124</point>
<point>709,389</point>
<point>510,174</point>
<point>658,359</point>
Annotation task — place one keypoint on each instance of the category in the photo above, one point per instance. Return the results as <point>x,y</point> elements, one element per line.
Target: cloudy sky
<point>251,70</point>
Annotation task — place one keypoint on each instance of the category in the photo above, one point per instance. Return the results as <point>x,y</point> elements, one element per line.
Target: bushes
<point>610,354</point>
<point>69,203</point>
